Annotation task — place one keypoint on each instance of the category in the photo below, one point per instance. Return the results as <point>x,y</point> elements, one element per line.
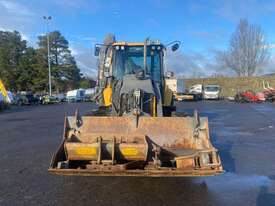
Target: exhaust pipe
<point>145,55</point>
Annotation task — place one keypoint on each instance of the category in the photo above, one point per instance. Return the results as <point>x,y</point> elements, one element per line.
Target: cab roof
<point>123,43</point>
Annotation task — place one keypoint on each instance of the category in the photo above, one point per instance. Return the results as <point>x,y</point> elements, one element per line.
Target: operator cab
<point>131,74</point>
<point>130,60</point>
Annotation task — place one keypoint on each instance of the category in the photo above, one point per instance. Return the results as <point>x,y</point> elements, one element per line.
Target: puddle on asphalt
<point>236,131</point>
<point>244,133</point>
<point>226,131</point>
<point>214,110</point>
<point>230,181</point>
<point>263,108</point>
<point>267,127</point>
<point>234,189</point>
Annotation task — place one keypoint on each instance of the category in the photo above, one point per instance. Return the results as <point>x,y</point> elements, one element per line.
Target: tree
<point>247,52</point>
<point>40,68</point>
<point>87,82</point>
<point>26,68</point>
<point>15,58</point>
<point>65,73</point>
<point>26,71</point>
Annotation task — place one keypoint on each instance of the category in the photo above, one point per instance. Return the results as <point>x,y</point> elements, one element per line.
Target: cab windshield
<point>130,59</point>
<point>212,88</point>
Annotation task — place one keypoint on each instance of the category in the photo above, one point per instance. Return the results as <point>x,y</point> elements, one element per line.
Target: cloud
<point>233,10</point>
<point>270,46</point>
<point>85,59</point>
<point>23,35</point>
<point>192,64</point>
<point>15,8</point>
<point>79,6</point>
<point>25,16</point>
<point>83,38</point>
<point>14,15</point>
<point>116,14</point>
<point>153,22</point>
<point>211,35</point>
<point>81,48</point>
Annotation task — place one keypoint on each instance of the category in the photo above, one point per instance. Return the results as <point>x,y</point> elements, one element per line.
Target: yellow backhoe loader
<point>135,131</point>
<point>4,97</point>
<point>4,92</point>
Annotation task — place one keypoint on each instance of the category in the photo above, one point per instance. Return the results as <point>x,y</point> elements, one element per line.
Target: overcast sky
<point>201,26</point>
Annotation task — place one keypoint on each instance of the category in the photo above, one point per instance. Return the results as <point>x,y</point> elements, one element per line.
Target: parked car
<point>61,97</point>
<point>47,99</point>
<point>211,91</point>
<point>26,98</point>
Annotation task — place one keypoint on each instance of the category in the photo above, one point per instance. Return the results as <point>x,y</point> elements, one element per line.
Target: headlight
<point>137,93</point>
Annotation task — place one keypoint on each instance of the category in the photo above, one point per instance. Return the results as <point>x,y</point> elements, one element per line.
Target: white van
<point>196,89</point>
<point>211,91</point>
<point>77,95</point>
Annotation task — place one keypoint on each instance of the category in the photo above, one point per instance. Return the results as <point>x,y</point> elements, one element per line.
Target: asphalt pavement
<point>243,133</point>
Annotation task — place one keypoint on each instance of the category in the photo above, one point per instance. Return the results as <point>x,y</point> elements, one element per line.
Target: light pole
<point>47,19</point>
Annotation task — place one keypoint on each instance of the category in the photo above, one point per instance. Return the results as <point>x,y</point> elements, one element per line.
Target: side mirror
<point>169,74</point>
<point>97,50</point>
<point>175,47</point>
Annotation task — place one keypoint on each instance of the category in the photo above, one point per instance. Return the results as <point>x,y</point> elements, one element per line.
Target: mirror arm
<point>173,42</point>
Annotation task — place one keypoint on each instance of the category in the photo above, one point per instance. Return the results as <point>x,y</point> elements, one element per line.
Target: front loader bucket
<point>136,146</point>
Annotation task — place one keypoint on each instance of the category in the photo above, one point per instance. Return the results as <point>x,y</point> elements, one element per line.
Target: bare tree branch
<point>247,52</point>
